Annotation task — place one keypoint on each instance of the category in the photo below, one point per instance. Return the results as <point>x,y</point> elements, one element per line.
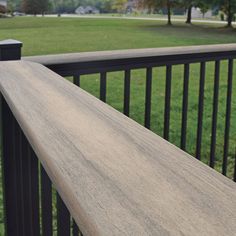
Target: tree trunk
<point>230,19</point>
<point>189,15</point>
<point>169,12</point>
<point>230,14</point>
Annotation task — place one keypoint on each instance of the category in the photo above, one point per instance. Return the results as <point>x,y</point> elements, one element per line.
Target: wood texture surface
<point>130,54</point>
<point>115,176</point>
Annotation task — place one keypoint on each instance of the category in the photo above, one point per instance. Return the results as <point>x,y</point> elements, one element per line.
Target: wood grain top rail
<point>129,54</point>
<point>105,61</point>
<point>115,176</point>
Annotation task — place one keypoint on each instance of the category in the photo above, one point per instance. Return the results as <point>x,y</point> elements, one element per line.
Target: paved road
<point>141,18</point>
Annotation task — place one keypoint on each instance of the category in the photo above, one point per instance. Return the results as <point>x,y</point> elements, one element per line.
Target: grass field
<point>59,35</point>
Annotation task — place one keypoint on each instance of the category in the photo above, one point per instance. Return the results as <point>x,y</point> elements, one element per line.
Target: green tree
<point>119,5</point>
<point>43,6</point>
<point>35,6</point>
<point>168,4</point>
<point>104,5</point>
<point>229,8</point>
<point>204,5</point>
<point>30,6</point>
<point>10,6</point>
<point>61,6</point>
<point>2,9</point>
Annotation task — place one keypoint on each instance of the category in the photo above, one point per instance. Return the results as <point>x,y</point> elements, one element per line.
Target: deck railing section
<point>112,175</point>
<point>78,64</point>
<point>27,189</point>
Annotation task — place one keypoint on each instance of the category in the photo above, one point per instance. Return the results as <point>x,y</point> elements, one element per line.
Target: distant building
<point>196,13</point>
<point>86,10</point>
<point>3,3</point>
<point>3,6</point>
<point>131,6</point>
<point>80,10</point>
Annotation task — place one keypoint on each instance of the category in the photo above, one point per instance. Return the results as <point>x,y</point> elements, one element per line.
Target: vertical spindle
<point>227,116</point>
<point>185,107</point>
<point>127,93</point>
<point>147,118</point>
<point>200,109</point>
<point>214,114</point>
<point>167,102</point>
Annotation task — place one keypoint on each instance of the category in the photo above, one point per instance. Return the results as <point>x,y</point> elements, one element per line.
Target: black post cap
<point>10,50</point>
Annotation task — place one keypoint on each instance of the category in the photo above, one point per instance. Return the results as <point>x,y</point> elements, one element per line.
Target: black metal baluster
<point>75,229</point>
<point>147,119</point>
<point>9,172</point>
<point>185,107</point>
<point>63,218</point>
<point>214,114</point>
<point>167,102</point>
<point>26,186</point>
<point>200,109</point>
<point>31,189</point>
<point>76,79</point>
<point>19,175</point>
<point>46,203</point>
<point>127,92</point>
<point>235,166</point>
<point>34,186</point>
<point>103,86</point>
<point>227,117</point>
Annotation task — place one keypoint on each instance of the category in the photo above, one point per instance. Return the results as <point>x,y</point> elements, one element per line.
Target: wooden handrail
<point>115,177</point>
<point>129,53</point>
<point>94,62</point>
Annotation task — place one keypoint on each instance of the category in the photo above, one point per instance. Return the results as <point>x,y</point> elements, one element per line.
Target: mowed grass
<point>57,35</point>
<point>42,35</point>
<point>63,35</point>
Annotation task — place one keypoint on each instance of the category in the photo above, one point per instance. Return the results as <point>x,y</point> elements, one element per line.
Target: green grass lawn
<point>57,35</point>
<point>61,35</point>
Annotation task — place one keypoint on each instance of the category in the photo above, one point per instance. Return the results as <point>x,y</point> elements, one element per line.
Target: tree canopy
<point>35,6</point>
<point>157,4</point>
<point>228,7</point>
<point>69,6</point>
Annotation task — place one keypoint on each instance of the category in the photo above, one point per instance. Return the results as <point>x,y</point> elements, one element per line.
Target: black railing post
<point>10,50</point>
<point>9,178</point>
<point>19,166</point>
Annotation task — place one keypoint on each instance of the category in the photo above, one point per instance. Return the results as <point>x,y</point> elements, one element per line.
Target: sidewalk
<point>141,18</point>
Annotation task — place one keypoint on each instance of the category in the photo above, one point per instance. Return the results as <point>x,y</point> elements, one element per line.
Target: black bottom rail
<point>27,188</point>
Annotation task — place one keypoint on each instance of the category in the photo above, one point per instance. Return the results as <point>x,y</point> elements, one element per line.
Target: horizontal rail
<point>115,176</point>
<point>107,61</point>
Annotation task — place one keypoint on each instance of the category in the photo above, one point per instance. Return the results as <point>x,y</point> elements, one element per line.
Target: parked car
<point>16,13</point>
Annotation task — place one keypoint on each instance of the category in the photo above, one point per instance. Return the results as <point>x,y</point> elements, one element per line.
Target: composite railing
<point>79,64</point>
<point>112,176</point>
